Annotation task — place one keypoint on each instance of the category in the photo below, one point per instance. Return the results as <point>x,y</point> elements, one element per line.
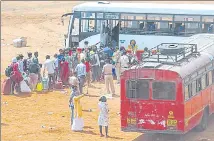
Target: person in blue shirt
<point>60,56</point>
<point>81,74</point>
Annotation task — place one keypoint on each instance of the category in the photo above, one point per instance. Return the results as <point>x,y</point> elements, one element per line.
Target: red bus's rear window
<point>164,90</point>
<point>137,89</point>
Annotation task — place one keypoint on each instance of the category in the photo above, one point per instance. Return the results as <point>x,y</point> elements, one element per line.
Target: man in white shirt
<point>73,81</point>
<point>82,54</point>
<point>124,62</point>
<point>107,71</point>
<point>21,64</point>
<point>50,67</point>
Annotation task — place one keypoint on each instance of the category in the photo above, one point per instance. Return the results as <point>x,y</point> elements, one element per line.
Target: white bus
<point>148,24</point>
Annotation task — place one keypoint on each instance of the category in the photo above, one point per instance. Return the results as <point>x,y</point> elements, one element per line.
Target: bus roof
<point>205,44</point>
<point>190,9</point>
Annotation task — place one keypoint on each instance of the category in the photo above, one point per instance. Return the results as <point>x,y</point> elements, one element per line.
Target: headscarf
<point>14,60</point>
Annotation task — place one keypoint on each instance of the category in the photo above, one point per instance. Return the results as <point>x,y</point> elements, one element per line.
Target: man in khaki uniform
<point>107,71</point>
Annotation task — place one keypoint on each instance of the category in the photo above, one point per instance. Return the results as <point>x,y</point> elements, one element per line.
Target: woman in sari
<point>78,123</point>
<point>65,72</point>
<point>15,76</point>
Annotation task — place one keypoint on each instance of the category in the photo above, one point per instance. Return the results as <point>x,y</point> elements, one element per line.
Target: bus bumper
<point>152,131</point>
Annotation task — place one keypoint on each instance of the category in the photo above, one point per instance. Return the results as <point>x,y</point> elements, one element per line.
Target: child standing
<point>103,116</point>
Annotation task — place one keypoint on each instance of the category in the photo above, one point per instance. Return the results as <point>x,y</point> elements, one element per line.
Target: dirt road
<point>45,117</point>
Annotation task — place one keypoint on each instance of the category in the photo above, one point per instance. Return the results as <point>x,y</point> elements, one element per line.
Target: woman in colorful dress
<point>78,123</point>
<point>65,72</point>
<point>103,119</point>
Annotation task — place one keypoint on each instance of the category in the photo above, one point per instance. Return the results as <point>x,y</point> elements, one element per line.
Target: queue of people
<point>72,68</point>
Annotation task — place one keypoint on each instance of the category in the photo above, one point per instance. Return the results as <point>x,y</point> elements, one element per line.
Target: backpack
<point>33,68</point>
<point>8,71</point>
<point>93,59</point>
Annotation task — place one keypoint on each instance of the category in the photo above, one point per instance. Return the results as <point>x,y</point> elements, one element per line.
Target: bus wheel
<point>204,122</point>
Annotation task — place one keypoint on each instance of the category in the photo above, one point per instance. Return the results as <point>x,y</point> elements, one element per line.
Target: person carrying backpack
<point>15,76</point>
<point>95,66</point>
<point>34,70</point>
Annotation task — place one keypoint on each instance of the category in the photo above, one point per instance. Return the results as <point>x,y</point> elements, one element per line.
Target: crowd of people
<point>70,68</point>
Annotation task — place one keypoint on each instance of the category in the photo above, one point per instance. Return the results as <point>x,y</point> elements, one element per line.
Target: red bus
<point>172,91</point>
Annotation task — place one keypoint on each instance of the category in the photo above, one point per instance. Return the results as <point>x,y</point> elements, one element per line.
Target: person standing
<point>87,64</point>
<point>21,63</point>
<point>36,61</point>
<point>50,67</point>
<point>107,71</point>
<point>60,57</point>
<point>74,81</point>
<point>28,61</point>
<point>34,70</point>
<point>124,61</point>
<point>103,119</point>
<point>75,92</point>
<point>15,76</point>
<point>81,74</point>
<point>116,58</point>
<point>69,60</point>
<point>78,122</point>
<point>35,58</point>
<point>56,63</point>
<point>65,71</point>
<point>95,65</point>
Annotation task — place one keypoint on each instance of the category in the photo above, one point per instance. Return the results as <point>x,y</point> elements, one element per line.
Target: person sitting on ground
<point>103,119</point>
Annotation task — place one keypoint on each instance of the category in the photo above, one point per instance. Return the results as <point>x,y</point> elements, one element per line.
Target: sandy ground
<point>39,117</point>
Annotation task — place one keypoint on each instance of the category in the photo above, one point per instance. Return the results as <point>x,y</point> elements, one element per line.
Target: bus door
<point>110,30</point>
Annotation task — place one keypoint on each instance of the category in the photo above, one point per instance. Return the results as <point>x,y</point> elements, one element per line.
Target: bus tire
<point>204,121</point>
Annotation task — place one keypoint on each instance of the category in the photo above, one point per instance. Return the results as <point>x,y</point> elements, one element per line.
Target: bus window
<point>203,82</point>
<point>187,18</point>
<point>194,88</point>
<point>143,89</point>
<point>207,79</point>
<point>192,27</point>
<point>210,77</point>
<point>87,15</point>
<point>164,90</point>
<point>75,30</point>
<point>137,89</point>
<point>100,15</point>
<point>87,25</point>
<point>186,93</point>
<point>198,85</point>
<point>213,76</point>
<point>208,19</point>
<point>131,87</point>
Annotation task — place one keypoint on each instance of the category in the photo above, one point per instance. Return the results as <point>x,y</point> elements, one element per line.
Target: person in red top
<point>65,72</point>
<point>15,76</point>
<point>88,74</point>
